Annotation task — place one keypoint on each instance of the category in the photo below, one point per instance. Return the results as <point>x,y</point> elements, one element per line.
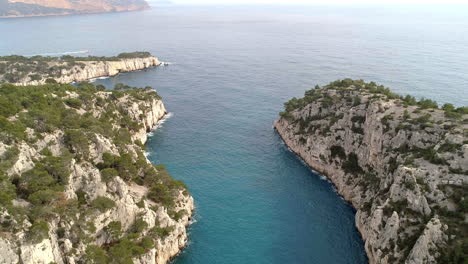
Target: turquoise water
<point>233,67</point>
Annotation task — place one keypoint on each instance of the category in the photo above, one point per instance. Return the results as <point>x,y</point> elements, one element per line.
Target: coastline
<point>72,13</point>
<point>369,146</point>
<point>327,178</point>
<point>86,70</point>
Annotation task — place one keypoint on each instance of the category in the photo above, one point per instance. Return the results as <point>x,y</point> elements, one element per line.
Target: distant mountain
<point>19,8</point>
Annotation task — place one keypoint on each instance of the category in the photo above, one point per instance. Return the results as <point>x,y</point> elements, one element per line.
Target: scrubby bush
<point>108,174</point>
<point>96,255</point>
<point>427,103</point>
<point>351,165</point>
<point>102,204</point>
<point>139,226</point>
<point>73,102</point>
<point>38,232</point>
<point>124,251</point>
<point>114,230</point>
<point>338,151</point>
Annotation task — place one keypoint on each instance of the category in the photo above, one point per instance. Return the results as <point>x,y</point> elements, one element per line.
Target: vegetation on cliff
<point>57,143</point>
<point>15,68</point>
<point>402,162</point>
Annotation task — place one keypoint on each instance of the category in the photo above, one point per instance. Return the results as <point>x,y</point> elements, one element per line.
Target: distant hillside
<point>39,70</point>
<point>20,8</point>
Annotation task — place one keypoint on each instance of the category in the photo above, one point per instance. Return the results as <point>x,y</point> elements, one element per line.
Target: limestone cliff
<point>20,8</point>
<point>75,185</point>
<point>36,72</point>
<point>402,164</point>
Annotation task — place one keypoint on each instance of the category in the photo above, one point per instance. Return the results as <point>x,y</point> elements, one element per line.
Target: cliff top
<point>68,58</point>
<point>334,91</point>
<point>402,163</point>
<point>35,70</point>
<point>73,172</point>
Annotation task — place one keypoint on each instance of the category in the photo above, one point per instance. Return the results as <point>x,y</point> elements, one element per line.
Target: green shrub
<point>427,103</point>
<point>124,251</point>
<point>114,230</point>
<point>161,232</point>
<point>103,204</point>
<point>109,174</point>
<point>35,77</point>
<point>177,215</point>
<point>449,147</point>
<point>139,226</point>
<point>160,193</point>
<point>431,155</point>
<point>95,255</point>
<point>73,102</point>
<point>7,190</point>
<point>337,151</point>
<point>147,243</point>
<point>38,232</point>
<point>357,101</point>
<point>77,141</point>
<point>351,165</point>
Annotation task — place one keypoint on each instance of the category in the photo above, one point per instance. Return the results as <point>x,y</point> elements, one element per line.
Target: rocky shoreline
<point>108,201</point>
<point>403,165</point>
<point>87,70</point>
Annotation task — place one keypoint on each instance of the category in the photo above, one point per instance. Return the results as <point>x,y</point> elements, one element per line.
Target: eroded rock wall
<point>401,166</point>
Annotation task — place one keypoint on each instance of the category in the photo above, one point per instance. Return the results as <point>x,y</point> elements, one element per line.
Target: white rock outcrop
<point>130,202</point>
<point>397,165</point>
<point>87,70</point>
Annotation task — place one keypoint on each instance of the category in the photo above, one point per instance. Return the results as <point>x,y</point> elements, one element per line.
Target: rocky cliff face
<point>79,71</point>
<point>402,164</point>
<point>79,189</point>
<point>18,8</point>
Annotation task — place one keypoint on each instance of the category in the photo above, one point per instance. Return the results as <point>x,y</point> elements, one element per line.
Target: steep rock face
<point>17,8</point>
<point>148,207</point>
<point>86,70</point>
<point>402,165</point>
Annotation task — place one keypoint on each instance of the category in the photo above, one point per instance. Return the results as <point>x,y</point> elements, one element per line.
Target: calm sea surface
<point>232,69</point>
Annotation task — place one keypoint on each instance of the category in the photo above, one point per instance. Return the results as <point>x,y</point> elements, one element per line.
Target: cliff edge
<point>75,184</point>
<point>37,70</point>
<point>402,164</point>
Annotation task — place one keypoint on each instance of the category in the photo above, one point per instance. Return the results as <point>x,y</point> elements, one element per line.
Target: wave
<point>98,78</point>
<point>162,121</point>
<point>60,53</point>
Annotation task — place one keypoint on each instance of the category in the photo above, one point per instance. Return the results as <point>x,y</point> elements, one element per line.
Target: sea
<point>231,69</point>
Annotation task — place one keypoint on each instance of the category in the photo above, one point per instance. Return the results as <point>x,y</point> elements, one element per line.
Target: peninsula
<point>402,163</point>
<point>75,184</point>
<point>25,8</point>
<point>36,70</point>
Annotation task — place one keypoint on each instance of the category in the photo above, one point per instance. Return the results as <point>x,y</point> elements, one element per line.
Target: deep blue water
<point>233,67</point>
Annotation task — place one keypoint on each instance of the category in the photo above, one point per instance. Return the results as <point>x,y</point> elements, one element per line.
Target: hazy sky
<point>321,1</point>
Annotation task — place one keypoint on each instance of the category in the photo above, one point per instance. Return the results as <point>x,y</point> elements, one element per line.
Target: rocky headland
<point>38,70</point>
<point>75,184</point>
<point>25,8</point>
<point>402,163</point>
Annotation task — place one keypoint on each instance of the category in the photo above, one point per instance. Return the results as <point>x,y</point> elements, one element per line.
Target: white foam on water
<point>162,121</point>
<point>159,124</point>
<point>98,78</point>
